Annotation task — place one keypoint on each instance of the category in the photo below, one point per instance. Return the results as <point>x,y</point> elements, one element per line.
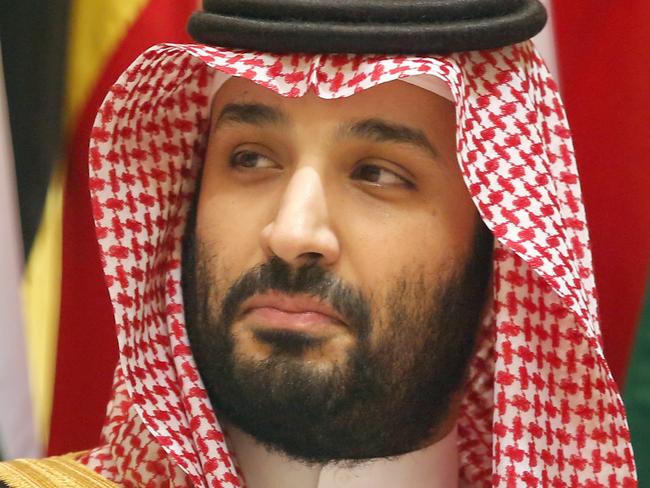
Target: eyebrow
<point>257,114</point>
<point>374,129</point>
<point>379,130</point>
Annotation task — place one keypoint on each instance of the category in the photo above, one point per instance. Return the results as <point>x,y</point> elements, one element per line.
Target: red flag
<point>604,65</point>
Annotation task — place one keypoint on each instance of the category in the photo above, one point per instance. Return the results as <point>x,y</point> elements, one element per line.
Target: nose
<point>300,230</point>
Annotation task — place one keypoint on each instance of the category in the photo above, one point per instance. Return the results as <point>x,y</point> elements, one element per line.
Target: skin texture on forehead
<point>361,197</point>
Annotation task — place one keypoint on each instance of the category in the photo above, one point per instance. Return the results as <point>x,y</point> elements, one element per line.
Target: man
<point>348,270</point>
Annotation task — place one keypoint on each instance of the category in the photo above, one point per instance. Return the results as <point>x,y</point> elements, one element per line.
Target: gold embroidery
<point>52,472</point>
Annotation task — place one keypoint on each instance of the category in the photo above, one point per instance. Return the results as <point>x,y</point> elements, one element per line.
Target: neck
<point>435,466</point>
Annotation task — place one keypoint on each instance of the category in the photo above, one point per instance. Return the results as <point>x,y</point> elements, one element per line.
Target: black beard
<point>389,398</point>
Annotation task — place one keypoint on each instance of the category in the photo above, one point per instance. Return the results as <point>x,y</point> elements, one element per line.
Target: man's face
<point>337,269</point>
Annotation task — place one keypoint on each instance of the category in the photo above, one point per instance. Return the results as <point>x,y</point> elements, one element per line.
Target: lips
<point>292,312</point>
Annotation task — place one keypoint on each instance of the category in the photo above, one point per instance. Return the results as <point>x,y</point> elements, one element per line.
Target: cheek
<point>385,249</point>
<point>419,247</point>
<point>229,227</point>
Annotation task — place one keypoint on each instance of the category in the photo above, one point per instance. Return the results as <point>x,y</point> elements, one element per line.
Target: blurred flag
<point>604,65</point>
<point>71,336</point>
<point>637,396</point>
<point>17,428</point>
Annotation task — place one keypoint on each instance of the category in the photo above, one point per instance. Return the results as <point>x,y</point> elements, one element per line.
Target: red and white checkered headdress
<point>541,408</point>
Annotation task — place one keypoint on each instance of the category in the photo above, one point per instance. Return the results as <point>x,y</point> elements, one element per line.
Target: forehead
<point>396,101</point>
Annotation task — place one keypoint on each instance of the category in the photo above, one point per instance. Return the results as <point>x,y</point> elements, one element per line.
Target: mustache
<point>309,279</point>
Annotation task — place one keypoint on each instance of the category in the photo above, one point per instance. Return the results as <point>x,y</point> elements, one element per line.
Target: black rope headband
<point>367,26</point>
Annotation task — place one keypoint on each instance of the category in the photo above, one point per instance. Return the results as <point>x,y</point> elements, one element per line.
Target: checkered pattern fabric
<point>541,408</point>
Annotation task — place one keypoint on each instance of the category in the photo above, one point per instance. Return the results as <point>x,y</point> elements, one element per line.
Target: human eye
<point>378,176</point>
<point>248,159</point>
